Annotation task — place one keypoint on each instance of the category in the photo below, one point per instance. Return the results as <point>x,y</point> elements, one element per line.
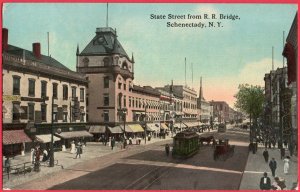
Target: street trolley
<point>185,144</point>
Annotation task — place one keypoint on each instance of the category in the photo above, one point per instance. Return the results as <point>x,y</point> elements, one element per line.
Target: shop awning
<point>127,128</point>
<point>177,125</point>
<point>73,134</point>
<point>14,137</point>
<point>152,127</point>
<point>116,129</point>
<point>136,128</point>
<point>46,138</point>
<point>97,129</point>
<point>163,126</point>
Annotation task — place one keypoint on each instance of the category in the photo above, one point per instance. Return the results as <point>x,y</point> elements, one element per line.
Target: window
<point>129,101</point>
<point>43,89</point>
<point>82,114</point>
<point>106,100</point>
<point>65,92</point>
<point>16,85</point>
<point>132,101</point>
<point>44,112</point>
<point>65,113</point>
<point>54,113</point>
<point>31,87</point>
<point>106,116</point>
<point>73,92</point>
<point>31,111</point>
<point>106,82</point>
<point>82,94</point>
<point>124,86</point>
<point>16,112</point>
<point>54,90</point>
<point>124,99</point>
<point>119,85</point>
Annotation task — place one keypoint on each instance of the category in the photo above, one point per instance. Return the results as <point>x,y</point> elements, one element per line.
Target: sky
<point>238,52</point>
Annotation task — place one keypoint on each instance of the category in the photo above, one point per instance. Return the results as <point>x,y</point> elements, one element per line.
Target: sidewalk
<point>256,166</point>
<point>66,159</point>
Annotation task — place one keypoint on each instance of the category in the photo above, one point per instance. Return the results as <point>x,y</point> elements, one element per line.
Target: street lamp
<point>123,112</point>
<point>51,153</point>
<point>145,119</point>
<point>51,162</point>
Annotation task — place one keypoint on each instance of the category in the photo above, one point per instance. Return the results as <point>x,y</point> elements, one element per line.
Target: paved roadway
<point>148,167</point>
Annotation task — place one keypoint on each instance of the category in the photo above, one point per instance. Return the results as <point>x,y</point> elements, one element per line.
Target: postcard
<point>149,96</point>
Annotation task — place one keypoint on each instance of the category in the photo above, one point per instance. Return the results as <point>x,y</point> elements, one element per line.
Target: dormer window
<point>86,61</point>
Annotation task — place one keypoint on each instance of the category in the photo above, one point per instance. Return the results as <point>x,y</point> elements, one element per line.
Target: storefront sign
<point>11,98</point>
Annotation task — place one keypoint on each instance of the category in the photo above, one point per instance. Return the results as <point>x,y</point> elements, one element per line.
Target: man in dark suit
<point>273,166</point>
<point>265,182</point>
<point>266,155</point>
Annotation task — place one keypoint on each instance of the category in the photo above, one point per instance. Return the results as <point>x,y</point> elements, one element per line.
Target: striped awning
<point>73,134</point>
<point>116,129</point>
<point>136,128</point>
<point>152,127</point>
<point>46,138</point>
<point>14,136</point>
<point>177,125</point>
<point>127,128</point>
<point>163,126</point>
<point>97,129</point>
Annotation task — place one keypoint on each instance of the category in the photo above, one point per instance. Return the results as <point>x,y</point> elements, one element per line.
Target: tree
<point>250,99</point>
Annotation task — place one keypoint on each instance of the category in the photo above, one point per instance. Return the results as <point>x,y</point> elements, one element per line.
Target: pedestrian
<point>78,150</point>
<point>105,140</point>
<point>286,165</point>
<point>73,148</point>
<point>130,140</point>
<point>266,155</point>
<point>112,142</point>
<point>7,164</point>
<point>139,140</point>
<point>285,143</point>
<point>280,183</point>
<point>282,152</point>
<point>32,155</point>
<point>167,148</point>
<point>273,166</point>
<point>45,155</point>
<point>265,182</point>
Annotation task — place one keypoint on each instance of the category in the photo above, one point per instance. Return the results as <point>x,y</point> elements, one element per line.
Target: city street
<point>148,167</point>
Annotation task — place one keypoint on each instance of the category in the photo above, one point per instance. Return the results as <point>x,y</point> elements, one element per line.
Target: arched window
<point>124,65</point>
<point>106,61</point>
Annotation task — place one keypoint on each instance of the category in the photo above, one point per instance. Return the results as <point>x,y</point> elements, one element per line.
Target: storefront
<point>76,136</point>
<point>98,131</point>
<point>14,142</point>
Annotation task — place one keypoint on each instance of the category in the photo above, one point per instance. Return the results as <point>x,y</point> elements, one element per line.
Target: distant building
<point>220,111</point>
<point>204,107</point>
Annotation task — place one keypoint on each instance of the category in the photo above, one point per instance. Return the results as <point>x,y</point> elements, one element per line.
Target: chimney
<point>36,49</point>
<point>4,39</point>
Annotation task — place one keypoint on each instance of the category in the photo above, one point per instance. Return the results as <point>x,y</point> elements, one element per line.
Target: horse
<point>206,139</point>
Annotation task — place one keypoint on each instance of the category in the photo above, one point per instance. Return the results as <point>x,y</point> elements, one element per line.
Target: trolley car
<point>185,144</point>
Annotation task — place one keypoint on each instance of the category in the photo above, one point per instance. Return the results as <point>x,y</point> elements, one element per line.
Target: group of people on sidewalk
<point>279,183</point>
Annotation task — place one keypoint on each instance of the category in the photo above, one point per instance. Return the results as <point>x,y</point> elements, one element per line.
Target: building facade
<point>220,111</point>
<point>38,90</point>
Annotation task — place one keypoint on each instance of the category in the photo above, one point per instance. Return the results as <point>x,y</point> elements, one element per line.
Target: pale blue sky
<point>239,52</point>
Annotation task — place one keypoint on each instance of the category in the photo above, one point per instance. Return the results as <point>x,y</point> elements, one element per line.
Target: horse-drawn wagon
<point>223,150</point>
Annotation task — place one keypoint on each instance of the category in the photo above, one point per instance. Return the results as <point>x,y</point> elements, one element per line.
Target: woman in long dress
<point>73,149</point>
<point>286,165</point>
